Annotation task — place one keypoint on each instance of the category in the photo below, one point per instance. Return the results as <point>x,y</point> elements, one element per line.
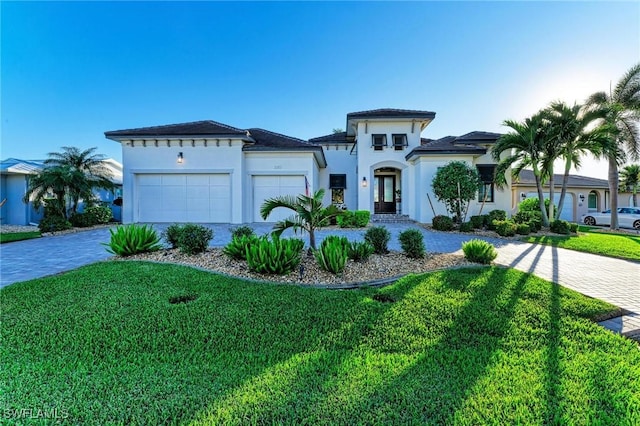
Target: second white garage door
<point>197,198</point>
<point>265,187</point>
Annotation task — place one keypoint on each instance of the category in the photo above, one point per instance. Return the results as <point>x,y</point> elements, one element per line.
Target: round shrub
<point>81,220</point>
<point>523,229</point>
<point>477,221</point>
<point>170,235</point>
<point>54,224</point>
<point>560,227</point>
<point>505,228</point>
<point>193,239</point>
<point>479,251</point>
<point>412,243</point>
<point>98,214</point>
<point>573,227</point>
<point>378,237</point>
<point>494,215</point>
<point>242,231</point>
<point>442,223</point>
<point>466,227</point>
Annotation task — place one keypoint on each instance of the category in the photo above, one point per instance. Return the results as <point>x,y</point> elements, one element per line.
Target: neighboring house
<point>14,182</point>
<point>210,172</point>
<point>584,194</point>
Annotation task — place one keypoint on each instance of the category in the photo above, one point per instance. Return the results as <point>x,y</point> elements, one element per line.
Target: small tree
<point>455,185</point>
<point>309,215</point>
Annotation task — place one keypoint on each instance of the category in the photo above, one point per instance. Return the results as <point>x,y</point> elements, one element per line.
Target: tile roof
<point>526,178</point>
<point>340,137</point>
<point>271,141</point>
<point>446,145</point>
<point>195,128</point>
<point>391,113</point>
<point>479,137</point>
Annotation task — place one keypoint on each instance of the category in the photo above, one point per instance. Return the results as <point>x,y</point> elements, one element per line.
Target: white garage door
<point>198,198</point>
<point>265,187</point>
<point>567,208</point>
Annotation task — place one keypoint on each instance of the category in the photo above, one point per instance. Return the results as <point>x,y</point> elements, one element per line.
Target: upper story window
<point>378,142</point>
<point>485,192</point>
<point>399,142</point>
<point>337,181</point>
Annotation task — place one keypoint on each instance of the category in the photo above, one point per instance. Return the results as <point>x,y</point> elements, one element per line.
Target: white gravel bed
<point>377,267</point>
<point>10,229</point>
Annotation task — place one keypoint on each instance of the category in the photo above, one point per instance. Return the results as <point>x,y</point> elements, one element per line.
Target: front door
<point>384,189</point>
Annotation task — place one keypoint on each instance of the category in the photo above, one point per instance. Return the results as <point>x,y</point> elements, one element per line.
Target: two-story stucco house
<point>210,172</point>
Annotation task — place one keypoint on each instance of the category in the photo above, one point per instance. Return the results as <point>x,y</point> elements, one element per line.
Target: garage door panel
<point>271,186</point>
<point>198,198</point>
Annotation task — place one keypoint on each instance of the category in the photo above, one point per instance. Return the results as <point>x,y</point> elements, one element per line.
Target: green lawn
<point>18,236</point>
<point>591,241</point>
<point>471,346</point>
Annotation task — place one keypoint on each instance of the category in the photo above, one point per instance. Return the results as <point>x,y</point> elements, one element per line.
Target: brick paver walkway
<point>613,280</point>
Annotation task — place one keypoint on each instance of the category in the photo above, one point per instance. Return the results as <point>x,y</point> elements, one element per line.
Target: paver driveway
<point>612,280</point>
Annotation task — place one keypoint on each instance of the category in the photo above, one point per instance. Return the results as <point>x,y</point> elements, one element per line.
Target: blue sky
<point>71,71</point>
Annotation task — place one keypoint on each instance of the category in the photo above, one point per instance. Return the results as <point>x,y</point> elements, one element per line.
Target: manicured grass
<point>613,245</point>
<point>471,346</point>
<point>18,236</point>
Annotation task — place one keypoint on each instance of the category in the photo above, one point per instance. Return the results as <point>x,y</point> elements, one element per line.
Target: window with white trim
<point>378,142</point>
<point>399,141</point>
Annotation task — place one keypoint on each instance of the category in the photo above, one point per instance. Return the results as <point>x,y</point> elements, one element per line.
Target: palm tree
<point>88,172</point>
<point>309,215</point>
<point>630,180</point>
<point>621,110</point>
<point>525,144</point>
<point>576,136</point>
<point>51,180</point>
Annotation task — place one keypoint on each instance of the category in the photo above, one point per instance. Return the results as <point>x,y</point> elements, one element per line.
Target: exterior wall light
<point>180,157</point>
<point>364,182</point>
<point>581,196</point>
<point>523,196</point>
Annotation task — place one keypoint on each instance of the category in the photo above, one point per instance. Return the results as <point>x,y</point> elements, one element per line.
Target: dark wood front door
<point>384,189</point>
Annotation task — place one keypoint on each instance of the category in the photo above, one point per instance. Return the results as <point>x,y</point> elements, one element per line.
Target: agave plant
<point>133,239</point>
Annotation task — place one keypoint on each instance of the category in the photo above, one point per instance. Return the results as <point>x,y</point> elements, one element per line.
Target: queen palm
<point>50,181</point>
<point>621,110</point>
<point>572,128</point>
<point>87,171</point>
<point>309,215</point>
<point>525,144</point>
<point>630,180</point>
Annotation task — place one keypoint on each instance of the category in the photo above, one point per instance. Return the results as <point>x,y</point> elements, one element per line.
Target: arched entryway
<point>386,190</point>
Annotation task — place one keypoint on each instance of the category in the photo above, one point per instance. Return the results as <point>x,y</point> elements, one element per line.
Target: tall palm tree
<point>620,108</point>
<point>630,180</point>
<point>576,136</point>
<point>88,171</point>
<point>309,215</point>
<point>525,143</point>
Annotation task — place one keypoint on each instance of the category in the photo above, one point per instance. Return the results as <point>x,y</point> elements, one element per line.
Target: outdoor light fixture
<point>180,157</point>
<point>364,182</point>
<point>523,196</point>
<point>581,198</point>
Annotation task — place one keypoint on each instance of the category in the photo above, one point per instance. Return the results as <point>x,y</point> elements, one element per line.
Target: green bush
<point>81,220</point>
<point>479,251</point>
<point>237,248</point>
<point>193,239</point>
<point>359,251</point>
<point>54,224</point>
<point>466,227</point>
<point>378,237</point>
<point>346,219</point>
<point>573,228</point>
<point>560,227</point>
<point>133,239</point>
<point>535,225</point>
<point>499,215</point>
<point>522,229</point>
<point>505,228</point>
<point>532,205</point>
<point>477,221</point>
<point>332,254</point>
<point>170,235</point>
<point>412,243</point>
<point>531,218</point>
<point>361,218</point>
<point>98,214</point>
<point>274,256</point>
<point>242,231</point>
<point>442,223</point>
